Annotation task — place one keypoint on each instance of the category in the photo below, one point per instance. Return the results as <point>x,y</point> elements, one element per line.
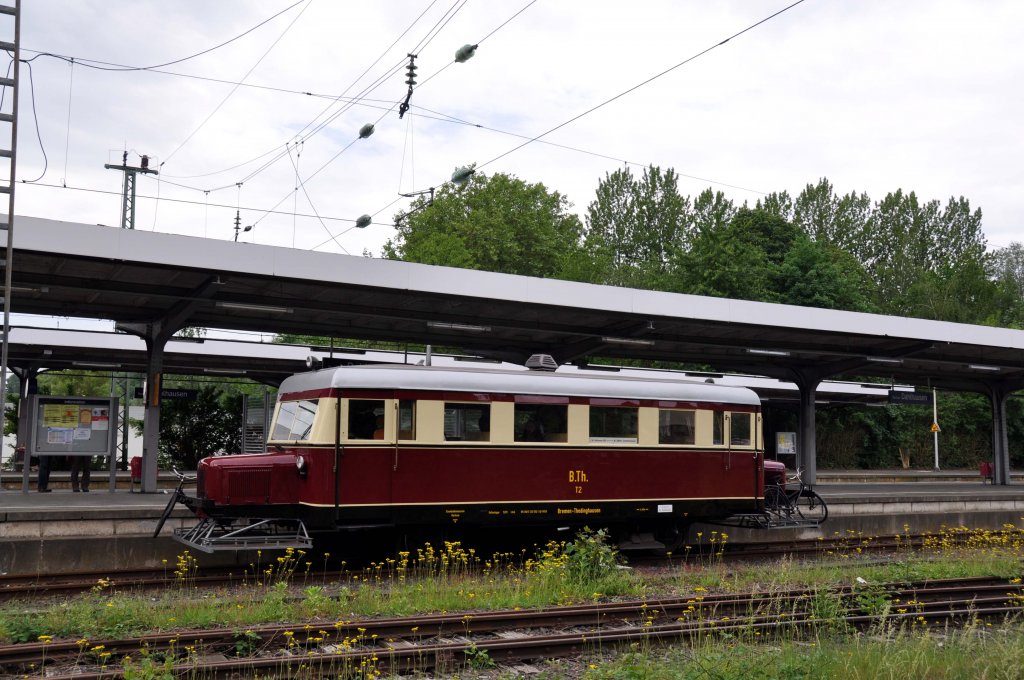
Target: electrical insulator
<point>410,75</point>
<point>366,131</point>
<point>462,174</point>
<point>410,81</point>
<point>363,221</point>
<point>465,53</point>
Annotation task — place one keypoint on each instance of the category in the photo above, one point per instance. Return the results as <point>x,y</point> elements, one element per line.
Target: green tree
<point>830,219</point>
<point>635,227</point>
<point>819,275</point>
<point>777,204</point>
<point>1008,276</point>
<point>711,211</point>
<point>497,223</point>
<point>739,259</point>
<point>922,256</point>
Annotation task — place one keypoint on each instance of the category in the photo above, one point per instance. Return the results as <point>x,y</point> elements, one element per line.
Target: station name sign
<point>170,393</point>
<point>913,398</point>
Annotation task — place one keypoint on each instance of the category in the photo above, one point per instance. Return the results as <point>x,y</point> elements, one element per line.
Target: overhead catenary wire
<point>645,82</point>
<point>283,152</point>
<point>420,111</point>
<point>184,201</point>
<point>440,24</point>
<point>431,34</point>
<point>319,170</point>
<point>363,102</point>
<point>67,132</point>
<point>278,152</point>
<point>439,116</point>
<point>235,88</point>
<point>302,185</point>
<point>334,98</point>
<point>480,41</point>
<point>632,89</point>
<point>39,135</point>
<point>106,66</point>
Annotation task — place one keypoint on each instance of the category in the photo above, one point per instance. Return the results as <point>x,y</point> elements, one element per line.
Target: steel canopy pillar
<point>28,385</point>
<point>998,396</point>
<point>156,335</point>
<point>806,452</point>
<point>151,419</point>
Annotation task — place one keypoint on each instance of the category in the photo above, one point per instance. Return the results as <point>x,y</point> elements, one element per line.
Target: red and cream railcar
<point>399,446</point>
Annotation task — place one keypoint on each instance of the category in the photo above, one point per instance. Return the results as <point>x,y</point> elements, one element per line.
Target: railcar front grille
<point>249,484</point>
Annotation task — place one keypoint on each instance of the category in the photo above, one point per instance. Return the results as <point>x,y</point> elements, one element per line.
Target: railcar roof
<point>447,378</point>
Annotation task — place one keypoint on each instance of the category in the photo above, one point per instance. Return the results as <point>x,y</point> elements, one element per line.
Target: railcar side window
<point>365,418</point>
<point>294,420</point>
<point>718,427</point>
<point>613,424</point>
<point>676,427</point>
<point>740,429</point>
<point>407,419</point>
<point>467,422</point>
<point>541,422</point>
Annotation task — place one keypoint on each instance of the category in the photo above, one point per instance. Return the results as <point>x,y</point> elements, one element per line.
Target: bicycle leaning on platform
<point>794,501</point>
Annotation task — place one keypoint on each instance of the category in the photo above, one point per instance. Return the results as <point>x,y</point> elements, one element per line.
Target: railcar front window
<point>467,422</point>
<point>613,424</point>
<point>740,430</point>
<point>365,418</point>
<point>676,427</point>
<point>541,422</point>
<point>294,420</point>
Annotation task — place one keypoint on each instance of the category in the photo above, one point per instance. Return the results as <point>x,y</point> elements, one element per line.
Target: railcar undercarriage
<point>214,535</point>
<point>769,520</point>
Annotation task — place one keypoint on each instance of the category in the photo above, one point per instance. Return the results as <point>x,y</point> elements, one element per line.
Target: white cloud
<point>874,95</point>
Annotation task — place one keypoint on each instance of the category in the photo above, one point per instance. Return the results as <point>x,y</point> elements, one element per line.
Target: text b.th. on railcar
<point>413,446</point>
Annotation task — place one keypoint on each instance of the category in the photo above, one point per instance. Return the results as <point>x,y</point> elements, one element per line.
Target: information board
<point>73,426</point>
<point>785,443</point>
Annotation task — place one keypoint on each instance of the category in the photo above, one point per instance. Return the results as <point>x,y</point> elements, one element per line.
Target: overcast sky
<point>875,95</point>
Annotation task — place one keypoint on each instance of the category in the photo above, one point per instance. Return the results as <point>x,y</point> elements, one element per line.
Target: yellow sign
<point>935,427</point>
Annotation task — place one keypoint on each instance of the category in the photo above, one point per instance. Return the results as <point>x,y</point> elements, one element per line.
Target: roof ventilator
<point>541,362</point>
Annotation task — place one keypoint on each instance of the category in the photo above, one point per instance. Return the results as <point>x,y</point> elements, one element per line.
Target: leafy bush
<point>590,555</point>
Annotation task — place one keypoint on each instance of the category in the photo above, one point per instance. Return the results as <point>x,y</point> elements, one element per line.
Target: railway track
<point>24,586</point>
<point>453,641</point>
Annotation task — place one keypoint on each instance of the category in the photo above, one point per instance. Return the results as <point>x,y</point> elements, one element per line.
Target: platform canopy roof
<point>271,363</point>
<point>140,277</point>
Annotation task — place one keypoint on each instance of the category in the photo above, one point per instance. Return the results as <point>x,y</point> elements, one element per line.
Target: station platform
<point>103,530</point>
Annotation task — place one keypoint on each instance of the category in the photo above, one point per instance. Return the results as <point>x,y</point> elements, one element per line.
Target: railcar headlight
<point>300,464</point>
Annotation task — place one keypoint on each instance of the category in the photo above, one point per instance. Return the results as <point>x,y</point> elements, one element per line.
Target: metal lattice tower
<point>128,192</point>
<point>9,14</point>
<point>120,387</point>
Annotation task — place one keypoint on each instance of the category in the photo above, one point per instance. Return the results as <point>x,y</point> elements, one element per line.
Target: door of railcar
<point>366,456</point>
<point>741,461</point>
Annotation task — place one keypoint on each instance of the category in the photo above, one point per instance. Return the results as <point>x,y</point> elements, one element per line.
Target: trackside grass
<point>449,578</point>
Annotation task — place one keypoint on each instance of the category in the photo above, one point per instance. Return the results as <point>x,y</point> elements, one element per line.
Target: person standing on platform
<point>44,473</point>
<point>80,465</point>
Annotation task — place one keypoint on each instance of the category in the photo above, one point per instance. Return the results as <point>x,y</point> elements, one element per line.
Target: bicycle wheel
<point>167,511</point>
<point>776,502</point>
<point>811,506</point>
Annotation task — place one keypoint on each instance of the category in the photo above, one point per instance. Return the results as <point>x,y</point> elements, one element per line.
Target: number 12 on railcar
<point>411,447</point>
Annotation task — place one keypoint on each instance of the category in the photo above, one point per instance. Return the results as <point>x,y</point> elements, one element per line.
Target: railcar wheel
<point>672,536</point>
<point>811,506</point>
